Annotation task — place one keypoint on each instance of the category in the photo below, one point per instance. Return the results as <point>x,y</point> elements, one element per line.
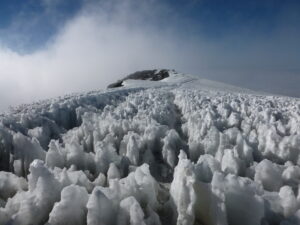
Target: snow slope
<point>182,150</point>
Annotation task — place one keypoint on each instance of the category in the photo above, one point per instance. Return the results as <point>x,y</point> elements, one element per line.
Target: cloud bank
<point>101,44</point>
<point>108,40</point>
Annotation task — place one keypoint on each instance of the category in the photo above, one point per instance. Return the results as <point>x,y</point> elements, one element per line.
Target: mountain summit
<point>158,147</point>
<point>153,75</point>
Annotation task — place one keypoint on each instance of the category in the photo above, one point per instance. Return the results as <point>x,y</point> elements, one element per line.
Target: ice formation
<point>181,150</point>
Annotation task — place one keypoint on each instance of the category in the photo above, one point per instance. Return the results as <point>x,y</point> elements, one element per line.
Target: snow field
<point>156,155</point>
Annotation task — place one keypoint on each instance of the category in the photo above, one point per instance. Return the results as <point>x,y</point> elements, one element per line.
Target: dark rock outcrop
<point>153,75</point>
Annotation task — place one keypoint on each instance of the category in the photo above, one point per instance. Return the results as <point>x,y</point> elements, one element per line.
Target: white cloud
<point>90,52</point>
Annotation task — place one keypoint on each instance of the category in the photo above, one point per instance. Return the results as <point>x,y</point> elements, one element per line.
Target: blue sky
<point>26,26</point>
<point>53,47</point>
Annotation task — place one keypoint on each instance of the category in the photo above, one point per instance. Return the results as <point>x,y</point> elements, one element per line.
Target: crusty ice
<point>181,150</point>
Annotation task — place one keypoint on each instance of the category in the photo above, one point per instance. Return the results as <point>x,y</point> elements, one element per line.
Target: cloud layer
<point>103,43</point>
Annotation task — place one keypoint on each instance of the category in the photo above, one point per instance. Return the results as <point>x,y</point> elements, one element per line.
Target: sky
<point>50,48</point>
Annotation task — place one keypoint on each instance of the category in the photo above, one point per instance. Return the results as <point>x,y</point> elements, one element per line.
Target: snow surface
<point>182,150</point>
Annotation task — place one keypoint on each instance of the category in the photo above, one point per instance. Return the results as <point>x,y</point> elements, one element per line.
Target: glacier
<point>174,150</point>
